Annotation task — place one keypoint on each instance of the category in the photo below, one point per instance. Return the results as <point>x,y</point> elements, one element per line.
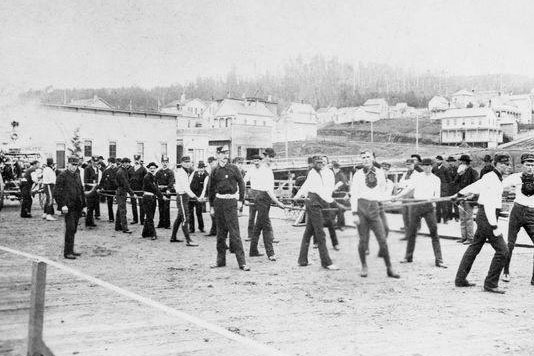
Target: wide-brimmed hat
<point>451,159</point>
<point>465,158</point>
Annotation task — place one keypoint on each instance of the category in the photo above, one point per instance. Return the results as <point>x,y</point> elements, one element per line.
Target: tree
<point>75,148</point>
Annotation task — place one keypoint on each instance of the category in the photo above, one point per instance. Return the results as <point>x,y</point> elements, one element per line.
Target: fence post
<point>36,346</point>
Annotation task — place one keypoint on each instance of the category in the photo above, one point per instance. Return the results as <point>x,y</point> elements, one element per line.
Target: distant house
<point>356,114</point>
<point>297,123</point>
<point>326,115</point>
<point>463,99</point>
<point>438,104</point>
<point>525,106</point>
<point>95,102</point>
<point>377,106</point>
<point>474,126</point>
<point>189,112</point>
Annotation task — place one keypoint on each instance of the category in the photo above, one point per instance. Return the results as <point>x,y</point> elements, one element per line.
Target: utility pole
<point>417,133</point>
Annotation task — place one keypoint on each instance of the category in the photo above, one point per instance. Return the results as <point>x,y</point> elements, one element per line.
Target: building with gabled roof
<point>297,123</point>
<point>378,106</point>
<point>94,102</point>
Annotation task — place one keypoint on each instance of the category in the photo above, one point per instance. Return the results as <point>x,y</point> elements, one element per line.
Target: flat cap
<point>224,148</point>
<point>439,157</point>
<point>527,157</point>
<point>201,164</point>
<point>269,152</point>
<point>185,159</point>
<point>451,159</point>
<point>501,158</point>
<point>426,162</point>
<point>152,164</point>
<point>126,160</point>
<point>465,158</point>
<point>73,160</point>
<point>487,158</point>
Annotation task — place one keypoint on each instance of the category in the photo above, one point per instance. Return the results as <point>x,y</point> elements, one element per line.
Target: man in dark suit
<point>70,198</point>
<point>109,184</point>
<point>441,171</point>
<point>123,189</point>
<point>341,189</point>
<point>197,187</point>
<point>136,173</point>
<point>466,176</point>
<point>165,182</point>
<point>90,179</point>
<point>452,209</point>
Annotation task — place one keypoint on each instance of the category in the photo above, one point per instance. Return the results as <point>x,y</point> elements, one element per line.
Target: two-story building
<point>474,126</point>
<point>189,112</point>
<point>378,106</point>
<point>297,123</point>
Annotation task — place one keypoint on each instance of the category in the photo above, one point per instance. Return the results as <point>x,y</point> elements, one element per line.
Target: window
<point>60,155</point>
<point>113,149</point>
<point>141,149</point>
<point>87,148</point>
<point>163,149</point>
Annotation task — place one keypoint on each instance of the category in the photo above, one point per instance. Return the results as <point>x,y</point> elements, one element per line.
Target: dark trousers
<point>109,201</point>
<point>92,202</point>
<point>262,204</point>
<point>120,217</point>
<point>252,210</point>
<point>369,213</point>
<point>520,217</point>
<point>484,232</point>
<point>314,227</point>
<point>26,203</point>
<point>425,211</point>
<point>328,220</point>
<point>228,224</point>
<point>71,226</point>
<point>149,205</point>
<point>141,216</point>
<point>198,208</point>
<point>164,207</point>
<point>340,214</point>
<point>182,203</point>
<point>49,201</point>
<point>213,229</point>
<point>441,211</point>
<point>384,219</point>
<point>97,207</point>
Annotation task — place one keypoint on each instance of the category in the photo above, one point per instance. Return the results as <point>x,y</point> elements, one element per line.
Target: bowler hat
<point>418,157</point>
<point>451,159</point>
<point>126,160</point>
<point>201,164</point>
<point>185,159</point>
<point>501,158</point>
<point>73,160</point>
<point>224,148</point>
<point>426,162</point>
<point>465,158</point>
<point>439,158</point>
<point>269,152</point>
<point>152,164</point>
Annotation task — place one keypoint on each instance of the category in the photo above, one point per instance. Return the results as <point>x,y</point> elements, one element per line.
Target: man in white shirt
<point>262,188</point>
<point>425,186</point>
<point>490,190</point>
<point>183,193</point>
<point>403,184</point>
<point>522,214</point>
<point>367,189</point>
<point>330,215</point>
<point>49,181</point>
<point>250,176</point>
<point>319,193</point>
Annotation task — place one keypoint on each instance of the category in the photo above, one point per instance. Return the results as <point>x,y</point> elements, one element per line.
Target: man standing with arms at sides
<point>490,190</point>
<point>150,193</point>
<point>226,188</point>
<point>70,198</point>
<point>522,214</point>
<point>183,193</point>
<point>466,176</point>
<point>251,176</point>
<point>49,182</point>
<point>442,173</point>
<point>123,189</point>
<point>90,178</point>
<point>197,206</point>
<point>425,186</point>
<point>262,184</point>
<point>319,194</point>
<point>109,183</point>
<point>213,163</point>
<point>165,181</point>
<point>340,191</point>
<point>136,173</point>
<point>26,184</point>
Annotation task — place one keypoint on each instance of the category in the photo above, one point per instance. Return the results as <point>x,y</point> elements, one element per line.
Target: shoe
<point>403,239</point>
<point>506,277</point>
<point>76,254</point>
<point>154,238</point>
<point>191,244</point>
<point>336,247</point>
<point>216,265</point>
<point>464,283</point>
<point>256,254</point>
<point>406,261</point>
<point>364,272</point>
<point>44,216</point>
<point>392,274</point>
<point>133,222</point>
<point>26,216</point>
<point>332,267</point>
<point>90,225</point>
<point>118,230</point>
<point>467,242</point>
<point>97,217</point>
<point>272,258</point>
<point>70,256</point>
<point>307,264</point>
<point>441,265</point>
<point>50,218</point>
<point>127,231</point>
<point>244,268</point>
<point>495,290</point>
<point>176,240</point>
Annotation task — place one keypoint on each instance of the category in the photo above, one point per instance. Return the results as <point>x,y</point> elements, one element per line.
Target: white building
<point>103,131</point>
<point>297,123</point>
<point>327,115</point>
<point>190,112</point>
<point>463,99</point>
<point>355,114</point>
<point>474,126</point>
<point>377,106</point>
<point>438,104</point>
<point>524,104</point>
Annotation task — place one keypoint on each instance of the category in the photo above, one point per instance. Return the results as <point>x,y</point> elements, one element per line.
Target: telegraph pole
<point>417,133</point>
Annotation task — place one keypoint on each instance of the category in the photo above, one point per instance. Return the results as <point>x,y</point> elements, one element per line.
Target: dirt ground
<point>299,310</point>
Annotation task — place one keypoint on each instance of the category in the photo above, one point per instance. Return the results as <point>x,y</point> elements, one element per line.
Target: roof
<point>463,92</point>
<point>94,102</point>
<point>376,101</point>
<point>300,108</point>
<point>173,104</point>
<point>229,107</point>
<point>465,112</point>
<point>95,110</point>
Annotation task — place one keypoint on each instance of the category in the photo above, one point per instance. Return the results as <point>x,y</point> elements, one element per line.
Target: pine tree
<point>76,144</point>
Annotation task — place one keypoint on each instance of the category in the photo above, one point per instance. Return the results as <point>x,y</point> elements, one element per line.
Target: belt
<point>227,196</point>
<point>148,194</point>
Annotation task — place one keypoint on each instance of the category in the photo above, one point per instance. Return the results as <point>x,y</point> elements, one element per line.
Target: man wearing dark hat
<point>341,189</point>
<point>49,182</point>
<point>136,173</point>
<point>467,175</point>
<point>488,165</point>
<point>150,193</point>
<point>226,188</point>
<point>26,183</point>
<point>196,205</point>
<point>522,214</point>
<point>165,181</point>
<point>109,184</point>
<point>442,173</point>
<point>123,189</point>
<point>452,209</point>
<point>251,176</point>
<point>213,163</point>
<point>425,186</point>
<point>262,189</point>
<point>70,199</point>
<point>90,180</point>
<point>411,172</point>
<point>183,193</point>
<point>490,189</point>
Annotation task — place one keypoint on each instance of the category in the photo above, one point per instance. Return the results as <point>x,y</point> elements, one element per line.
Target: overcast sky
<point>84,43</point>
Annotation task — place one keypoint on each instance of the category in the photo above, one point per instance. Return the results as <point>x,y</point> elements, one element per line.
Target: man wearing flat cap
<point>490,189</point>
<point>522,214</point>
<point>466,176</point>
<point>165,181</point>
<point>136,173</point>
<point>70,199</point>
<point>488,165</point>
<point>123,189</point>
<point>198,179</point>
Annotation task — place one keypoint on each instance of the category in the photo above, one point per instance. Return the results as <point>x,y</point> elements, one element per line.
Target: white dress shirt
<point>425,186</point>
<point>514,180</point>
<point>49,176</point>
<point>261,178</point>
<point>182,183</point>
<point>318,182</point>
<point>490,189</point>
<point>360,190</point>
